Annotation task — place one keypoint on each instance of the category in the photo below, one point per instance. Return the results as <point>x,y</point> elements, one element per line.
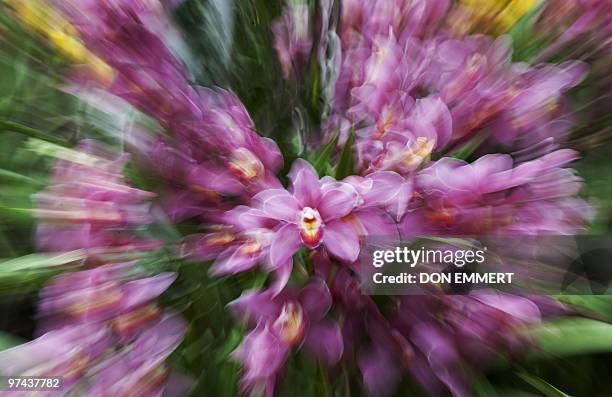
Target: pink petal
<point>269,154</point>
<point>232,261</point>
<point>246,218</point>
<point>214,178</point>
<point>278,204</point>
<point>285,243</point>
<point>324,340</point>
<point>281,277</point>
<point>516,306</point>
<point>141,291</point>
<point>375,222</point>
<point>382,186</point>
<point>262,354</point>
<point>341,240</point>
<point>432,112</point>
<point>380,371</point>
<point>305,183</point>
<point>338,200</point>
<point>253,306</point>
<point>391,190</point>
<point>315,299</point>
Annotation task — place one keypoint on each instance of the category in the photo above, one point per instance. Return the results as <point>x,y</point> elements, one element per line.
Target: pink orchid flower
<point>310,214</point>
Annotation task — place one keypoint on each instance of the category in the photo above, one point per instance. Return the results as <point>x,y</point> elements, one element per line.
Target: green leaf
<point>466,150</point>
<point>14,177</point>
<point>542,386</point>
<point>345,163</point>
<point>232,341</point>
<point>571,336</point>
<point>526,44</point>
<point>324,384</point>
<point>30,272</point>
<point>40,261</point>
<point>7,341</point>
<point>45,148</point>
<point>320,161</point>
<point>31,132</point>
<point>515,393</point>
<point>16,215</point>
<point>483,388</point>
<point>599,306</point>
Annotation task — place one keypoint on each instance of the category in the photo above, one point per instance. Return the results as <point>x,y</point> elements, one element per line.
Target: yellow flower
<point>514,11</point>
<point>489,16</point>
<point>40,16</point>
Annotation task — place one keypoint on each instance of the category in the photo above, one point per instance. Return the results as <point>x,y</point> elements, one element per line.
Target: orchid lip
<point>310,224</point>
<point>126,323</point>
<point>245,164</point>
<point>220,238</point>
<point>106,296</point>
<point>256,241</point>
<point>290,323</point>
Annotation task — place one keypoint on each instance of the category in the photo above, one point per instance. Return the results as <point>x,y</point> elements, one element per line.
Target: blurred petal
<point>324,341</point>
<point>253,306</point>
<point>278,204</point>
<point>305,183</point>
<point>379,370</point>
<point>285,243</point>
<point>281,277</point>
<point>315,299</point>
<point>233,261</point>
<point>338,200</point>
<point>143,290</point>
<point>341,240</point>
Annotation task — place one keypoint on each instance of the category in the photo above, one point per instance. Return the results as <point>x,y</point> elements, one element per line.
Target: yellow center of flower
<point>385,123</point>
<point>290,324</point>
<point>250,249</point>
<point>445,216</point>
<point>377,67</point>
<point>221,238</point>
<point>244,164</point>
<point>418,153</point>
<point>128,322</point>
<point>98,299</point>
<point>255,241</point>
<point>311,227</point>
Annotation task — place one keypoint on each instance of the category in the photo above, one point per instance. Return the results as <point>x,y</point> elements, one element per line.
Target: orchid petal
<point>278,204</point>
<point>141,291</point>
<point>341,240</point>
<point>281,277</point>
<point>284,244</point>
<point>315,299</point>
<point>338,200</point>
<point>232,261</point>
<point>253,306</point>
<point>305,183</point>
<point>324,341</point>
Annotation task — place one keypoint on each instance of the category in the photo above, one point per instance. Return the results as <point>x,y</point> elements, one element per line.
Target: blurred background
<point>231,44</point>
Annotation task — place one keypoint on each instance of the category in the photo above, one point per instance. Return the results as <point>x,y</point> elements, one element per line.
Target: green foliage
<point>346,163</point>
<point>466,150</point>
<point>7,341</point>
<point>525,46</point>
<point>542,386</point>
<point>29,272</point>
<point>569,336</point>
<point>321,161</point>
